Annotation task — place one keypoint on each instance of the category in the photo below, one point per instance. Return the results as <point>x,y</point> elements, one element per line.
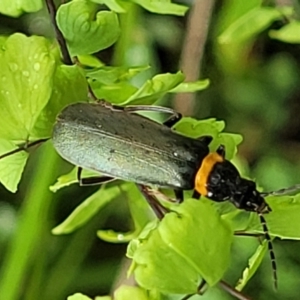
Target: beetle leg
<point>221,150</point>
<point>153,108</point>
<point>196,195</point>
<point>95,180</point>
<point>157,208</point>
<point>159,195</point>
<point>206,139</point>
<point>170,122</point>
<point>179,195</point>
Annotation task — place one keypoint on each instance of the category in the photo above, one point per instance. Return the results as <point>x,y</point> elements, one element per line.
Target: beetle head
<point>225,183</point>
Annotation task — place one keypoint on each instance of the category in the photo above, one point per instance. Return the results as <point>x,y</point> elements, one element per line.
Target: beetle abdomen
<point>127,146</point>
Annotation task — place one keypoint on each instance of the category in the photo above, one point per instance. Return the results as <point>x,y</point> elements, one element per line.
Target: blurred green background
<point>254,88</point>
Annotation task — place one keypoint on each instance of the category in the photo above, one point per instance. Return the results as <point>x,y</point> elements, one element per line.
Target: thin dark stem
<point>242,233</point>
<point>200,290</point>
<point>187,297</point>
<point>157,208</point>
<point>59,36</point>
<point>225,286</point>
<point>91,93</point>
<point>232,291</point>
<point>63,45</point>
<point>26,146</point>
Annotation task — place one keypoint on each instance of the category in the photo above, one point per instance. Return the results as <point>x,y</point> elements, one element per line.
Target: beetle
<point>128,146</point>
<point>121,144</point>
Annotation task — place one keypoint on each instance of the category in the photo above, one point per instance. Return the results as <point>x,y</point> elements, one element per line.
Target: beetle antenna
<point>22,148</point>
<point>270,248</point>
<point>281,192</point>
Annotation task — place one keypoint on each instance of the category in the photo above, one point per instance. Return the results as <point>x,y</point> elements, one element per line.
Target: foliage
<point>194,239</point>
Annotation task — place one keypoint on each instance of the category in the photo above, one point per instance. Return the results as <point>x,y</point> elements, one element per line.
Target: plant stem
<point>59,36</point>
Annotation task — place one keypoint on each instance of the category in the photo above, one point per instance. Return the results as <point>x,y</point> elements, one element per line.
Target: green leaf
<point>71,178</point>
<point>87,209</point>
<point>111,85</point>
<point>155,89</point>
<point>3,40</point>
<point>195,129</point>
<point>112,236</point>
<point>69,86</point>
<point>114,5</point>
<point>238,218</point>
<point>11,167</point>
<point>26,79</point>
<point>162,7</point>
<point>125,292</point>
<point>117,93</point>
<point>109,75</point>
<point>152,272</point>
<point>79,296</point>
<point>139,210</point>
<point>16,8</point>
<point>80,22</point>
<point>283,220</point>
<point>233,10</point>
<point>90,61</point>
<point>254,263</point>
<point>288,33</point>
<point>144,235</point>
<point>187,254</point>
<point>231,141</point>
<point>249,25</point>
<point>26,86</point>
<point>156,6</point>
<point>190,87</point>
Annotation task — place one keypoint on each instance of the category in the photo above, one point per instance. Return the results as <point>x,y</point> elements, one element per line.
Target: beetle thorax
<point>225,183</point>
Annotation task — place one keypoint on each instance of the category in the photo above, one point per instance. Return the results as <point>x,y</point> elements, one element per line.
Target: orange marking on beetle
<point>204,171</point>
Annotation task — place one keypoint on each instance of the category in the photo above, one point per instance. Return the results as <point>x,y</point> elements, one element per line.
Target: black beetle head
<point>225,183</point>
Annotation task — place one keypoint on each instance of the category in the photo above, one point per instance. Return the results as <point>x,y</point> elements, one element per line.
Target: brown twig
<point>193,49</point>
<point>284,3</point>
<point>232,291</point>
